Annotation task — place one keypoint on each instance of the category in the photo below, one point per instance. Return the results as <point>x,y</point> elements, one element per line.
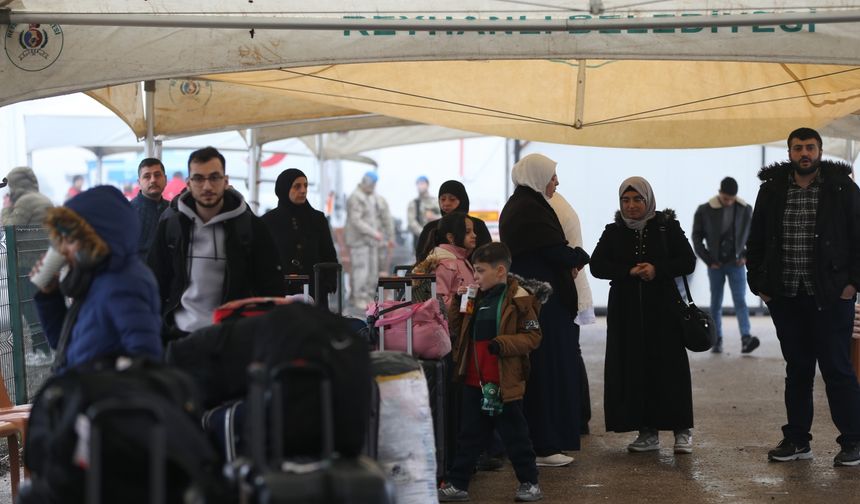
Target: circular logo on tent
<point>190,94</point>
<point>33,47</point>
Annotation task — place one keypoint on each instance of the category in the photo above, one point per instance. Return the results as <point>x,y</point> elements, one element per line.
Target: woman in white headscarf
<point>647,375</point>
<point>530,228</point>
<point>569,220</point>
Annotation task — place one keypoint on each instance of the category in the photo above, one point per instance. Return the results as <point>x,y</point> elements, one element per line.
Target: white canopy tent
<point>675,73</point>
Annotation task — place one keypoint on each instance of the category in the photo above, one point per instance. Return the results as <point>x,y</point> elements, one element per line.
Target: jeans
<point>475,427</point>
<point>806,335</point>
<point>738,285</point>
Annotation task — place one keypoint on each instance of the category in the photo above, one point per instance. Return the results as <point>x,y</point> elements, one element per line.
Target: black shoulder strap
<point>666,250</point>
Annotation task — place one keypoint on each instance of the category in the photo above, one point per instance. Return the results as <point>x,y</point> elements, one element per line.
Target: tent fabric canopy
<point>693,86</point>
<point>627,103</point>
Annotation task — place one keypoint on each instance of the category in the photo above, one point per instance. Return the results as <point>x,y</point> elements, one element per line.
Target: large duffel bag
<point>302,332</point>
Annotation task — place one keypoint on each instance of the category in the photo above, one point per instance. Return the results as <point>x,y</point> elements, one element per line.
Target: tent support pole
<point>149,102</point>
<point>579,112</point>
<point>254,155</point>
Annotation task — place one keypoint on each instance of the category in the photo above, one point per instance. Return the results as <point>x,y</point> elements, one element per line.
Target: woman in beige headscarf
<point>647,374</point>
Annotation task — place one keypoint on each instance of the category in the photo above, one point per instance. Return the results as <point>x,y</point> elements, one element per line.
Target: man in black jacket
<point>720,230</point>
<point>149,203</point>
<point>211,250</point>
<point>803,260</point>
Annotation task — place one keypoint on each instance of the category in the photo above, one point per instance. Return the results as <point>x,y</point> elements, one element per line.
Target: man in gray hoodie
<point>213,249</point>
<point>27,206</point>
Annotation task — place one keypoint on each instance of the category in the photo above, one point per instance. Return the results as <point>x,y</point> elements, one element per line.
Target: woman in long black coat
<point>647,374</point>
<point>530,228</point>
<point>302,234</point>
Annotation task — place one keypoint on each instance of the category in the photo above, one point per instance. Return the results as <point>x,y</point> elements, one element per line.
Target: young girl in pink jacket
<point>455,240</point>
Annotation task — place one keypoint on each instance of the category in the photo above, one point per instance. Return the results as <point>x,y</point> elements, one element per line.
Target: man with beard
<point>114,308</point>
<point>211,250</point>
<point>149,204</point>
<point>803,260</point>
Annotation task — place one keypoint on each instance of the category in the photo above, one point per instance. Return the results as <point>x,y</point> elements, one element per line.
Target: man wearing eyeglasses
<point>213,249</point>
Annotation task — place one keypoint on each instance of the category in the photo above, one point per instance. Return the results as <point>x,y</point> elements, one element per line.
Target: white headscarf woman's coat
<point>641,186</point>
<point>573,232</point>
<point>534,171</point>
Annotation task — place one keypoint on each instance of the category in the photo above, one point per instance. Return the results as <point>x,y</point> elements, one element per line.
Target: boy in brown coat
<point>491,355</point>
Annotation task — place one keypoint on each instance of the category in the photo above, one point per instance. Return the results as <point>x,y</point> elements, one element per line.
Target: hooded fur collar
<point>665,216</point>
<point>716,205</point>
<point>540,290</point>
<point>829,170</point>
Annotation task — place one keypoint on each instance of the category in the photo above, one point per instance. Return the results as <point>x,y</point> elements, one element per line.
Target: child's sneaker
<point>647,441</point>
<point>528,492</point>
<point>450,493</point>
<point>683,441</point>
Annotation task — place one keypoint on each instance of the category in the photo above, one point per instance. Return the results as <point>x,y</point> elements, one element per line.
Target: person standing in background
<point>720,230</point>
<point>302,234</point>
<point>422,209</point>
<point>386,250</point>
<point>24,205</point>
<point>148,204</point>
<point>365,235</point>
<point>76,188</point>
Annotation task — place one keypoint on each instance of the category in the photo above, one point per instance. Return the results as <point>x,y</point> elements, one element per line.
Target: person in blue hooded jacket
<point>115,308</point>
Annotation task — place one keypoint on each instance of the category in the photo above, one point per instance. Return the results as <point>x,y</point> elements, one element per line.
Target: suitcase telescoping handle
<point>157,445</point>
<point>338,269</point>
<point>305,281</point>
<point>396,282</point>
<point>263,379</point>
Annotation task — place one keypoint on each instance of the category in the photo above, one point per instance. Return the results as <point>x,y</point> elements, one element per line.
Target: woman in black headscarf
<point>647,374</point>
<point>530,228</point>
<point>452,198</point>
<point>302,234</point>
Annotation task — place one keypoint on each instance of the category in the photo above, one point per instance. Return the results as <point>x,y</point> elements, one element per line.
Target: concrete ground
<point>738,404</point>
<point>738,412</point>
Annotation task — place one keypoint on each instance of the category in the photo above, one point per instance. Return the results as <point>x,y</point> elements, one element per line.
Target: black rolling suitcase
<point>309,480</point>
<point>436,371</point>
<point>157,458</point>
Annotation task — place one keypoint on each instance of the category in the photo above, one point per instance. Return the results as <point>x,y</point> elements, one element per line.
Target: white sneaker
<point>555,460</point>
<point>646,441</point>
<point>683,441</point>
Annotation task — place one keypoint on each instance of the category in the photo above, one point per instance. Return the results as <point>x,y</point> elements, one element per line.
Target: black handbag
<point>697,325</point>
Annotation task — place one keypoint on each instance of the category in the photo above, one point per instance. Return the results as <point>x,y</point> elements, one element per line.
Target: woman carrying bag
<point>647,374</point>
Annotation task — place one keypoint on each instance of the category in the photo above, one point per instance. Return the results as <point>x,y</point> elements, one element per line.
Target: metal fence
<point>25,356</point>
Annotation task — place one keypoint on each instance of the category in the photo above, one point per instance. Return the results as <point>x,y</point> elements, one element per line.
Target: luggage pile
<point>278,402</point>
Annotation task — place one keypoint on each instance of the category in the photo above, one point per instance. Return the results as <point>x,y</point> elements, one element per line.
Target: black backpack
<point>53,450</point>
